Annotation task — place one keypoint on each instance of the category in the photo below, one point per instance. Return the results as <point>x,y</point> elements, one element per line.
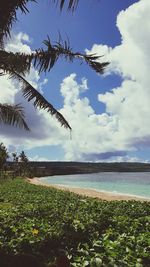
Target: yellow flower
<point>35,231</point>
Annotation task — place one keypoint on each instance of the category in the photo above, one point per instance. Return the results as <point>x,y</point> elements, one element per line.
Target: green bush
<point>43,221</point>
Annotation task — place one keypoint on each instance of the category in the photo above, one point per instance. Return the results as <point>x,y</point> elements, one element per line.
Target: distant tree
<point>16,170</point>
<point>23,163</point>
<point>23,157</point>
<point>15,157</point>
<point>3,157</point>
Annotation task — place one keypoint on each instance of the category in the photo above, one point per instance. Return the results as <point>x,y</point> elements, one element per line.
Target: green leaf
<point>96,262</point>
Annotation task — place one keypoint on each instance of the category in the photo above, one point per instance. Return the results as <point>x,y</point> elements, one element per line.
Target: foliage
<point>24,168</point>
<point>93,233</point>
<point>3,155</point>
<point>23,158</point>
<point>13,115</point>
<point>15,157</point>
<point>20,166</point>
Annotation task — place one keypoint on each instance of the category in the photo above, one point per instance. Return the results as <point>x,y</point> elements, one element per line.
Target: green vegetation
<point>42,221</point>
<point>19,164</point>
<point>3,157</point>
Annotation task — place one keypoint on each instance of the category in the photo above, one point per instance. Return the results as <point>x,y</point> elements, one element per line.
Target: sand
<point>89,192</point>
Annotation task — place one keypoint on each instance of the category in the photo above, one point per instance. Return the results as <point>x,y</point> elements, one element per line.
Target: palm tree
<point>24,168</point>
<point>23,157</point>
<point>17,65</point>
<point>15,157</point>
<point>13,115</point>
<point>3,155</point>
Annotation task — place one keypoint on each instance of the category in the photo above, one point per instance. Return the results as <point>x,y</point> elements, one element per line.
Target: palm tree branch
<point>71,4</point>
<point>13,115</point>
<point>30,93</point>
<point>19,62</point>
<point>9,8</point>
<point>44,60</point>
<point>8,16</point>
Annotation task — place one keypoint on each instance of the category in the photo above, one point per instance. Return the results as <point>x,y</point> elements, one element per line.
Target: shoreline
<point>89,192</point>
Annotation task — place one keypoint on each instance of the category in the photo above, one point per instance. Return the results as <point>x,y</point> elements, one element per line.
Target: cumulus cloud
<point>19,43</point>
<point>71,90</point>
<point>93,134</point>
<point>129,103</point>
<point>43,127</point>
<point>125,124</point>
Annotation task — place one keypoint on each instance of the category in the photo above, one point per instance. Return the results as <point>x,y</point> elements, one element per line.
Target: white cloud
<point>8,90</point>
<point>92,134</point>
<point>18,43</point>
<point>126,159</point>
<point>38,158</point>
<point>129,103</point>
<point>125,125</point>
<point>71,90</point>
<point>43,126</point>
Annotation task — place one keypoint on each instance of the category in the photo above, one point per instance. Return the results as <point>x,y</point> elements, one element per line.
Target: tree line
<point>19,166</point>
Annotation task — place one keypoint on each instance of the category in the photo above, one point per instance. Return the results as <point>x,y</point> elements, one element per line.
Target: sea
<point>126,183</point>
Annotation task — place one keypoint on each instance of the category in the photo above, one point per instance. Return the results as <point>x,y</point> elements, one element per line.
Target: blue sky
<point>84,27</point>
<point>109,130</point>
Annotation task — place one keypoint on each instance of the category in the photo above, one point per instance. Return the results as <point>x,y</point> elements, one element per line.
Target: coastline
<point>89,192</point>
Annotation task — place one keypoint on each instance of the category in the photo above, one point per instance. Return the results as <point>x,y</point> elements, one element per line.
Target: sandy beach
<point>89,192</point>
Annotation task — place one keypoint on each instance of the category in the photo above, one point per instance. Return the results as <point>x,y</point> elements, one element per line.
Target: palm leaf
<point>13,115</point>
<point>44,60</point>
<point>9,8</point>
<point>30,93</point>
<point>71,4</point>
<point>19,62</point>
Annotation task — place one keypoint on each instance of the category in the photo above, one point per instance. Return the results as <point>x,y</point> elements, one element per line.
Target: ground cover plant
<point>46,222</point>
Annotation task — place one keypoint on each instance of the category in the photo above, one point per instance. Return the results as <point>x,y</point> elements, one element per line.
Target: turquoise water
<point>122,183</point>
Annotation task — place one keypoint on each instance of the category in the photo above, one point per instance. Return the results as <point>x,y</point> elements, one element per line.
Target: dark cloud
<point>103,156</point>
<point>141,143</point>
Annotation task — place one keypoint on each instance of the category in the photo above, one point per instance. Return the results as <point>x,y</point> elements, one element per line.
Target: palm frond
<point>30,93</point>
<point>93,61</point>
<point>13,115</point>
<point>8,10</point>
<point>71,4</point>
<point>44,60</point>
<point>19,62</point>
